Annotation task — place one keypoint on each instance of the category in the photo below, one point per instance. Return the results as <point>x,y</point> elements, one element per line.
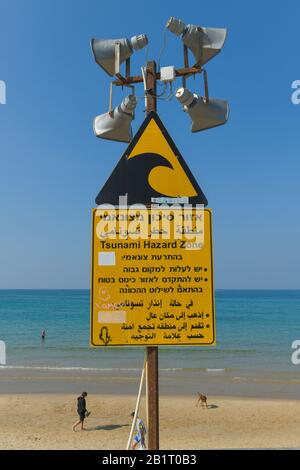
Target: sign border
<point>212,343</point>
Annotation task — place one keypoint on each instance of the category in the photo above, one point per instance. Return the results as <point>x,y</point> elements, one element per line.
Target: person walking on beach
<point>81,410</point>
<point>139,438</point>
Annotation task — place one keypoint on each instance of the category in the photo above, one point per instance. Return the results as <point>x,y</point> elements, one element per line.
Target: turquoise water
<point>255,329</point>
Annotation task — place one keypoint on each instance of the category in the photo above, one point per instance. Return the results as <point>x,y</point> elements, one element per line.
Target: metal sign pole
<point>153,397</point>
<point>152,352</point>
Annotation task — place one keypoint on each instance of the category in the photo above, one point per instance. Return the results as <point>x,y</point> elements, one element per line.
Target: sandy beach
<point>41,421</point>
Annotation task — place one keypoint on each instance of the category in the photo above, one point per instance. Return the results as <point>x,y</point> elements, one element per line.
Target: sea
<point>255,332</point>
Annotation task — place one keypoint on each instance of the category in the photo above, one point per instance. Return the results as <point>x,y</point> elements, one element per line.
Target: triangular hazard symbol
<point>151,167</point>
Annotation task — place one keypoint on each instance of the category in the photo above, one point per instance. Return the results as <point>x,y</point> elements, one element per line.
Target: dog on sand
<point>202,399</point>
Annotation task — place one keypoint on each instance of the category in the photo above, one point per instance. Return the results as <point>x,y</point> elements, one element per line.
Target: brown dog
<point>202,399</point>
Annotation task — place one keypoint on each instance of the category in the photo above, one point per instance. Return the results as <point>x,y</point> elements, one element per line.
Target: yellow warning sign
<point>152,277</point>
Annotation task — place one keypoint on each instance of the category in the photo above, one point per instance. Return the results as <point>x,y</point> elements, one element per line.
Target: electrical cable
<point>146,52</point>
<point>162,47</point>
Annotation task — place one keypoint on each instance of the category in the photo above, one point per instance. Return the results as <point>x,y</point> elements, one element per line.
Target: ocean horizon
<point>255,330</point>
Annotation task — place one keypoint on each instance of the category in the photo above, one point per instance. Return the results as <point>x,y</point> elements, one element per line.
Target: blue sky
<point>52,167</point>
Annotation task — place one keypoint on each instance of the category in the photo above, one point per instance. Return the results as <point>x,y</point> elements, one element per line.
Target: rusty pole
<point>152,352</point>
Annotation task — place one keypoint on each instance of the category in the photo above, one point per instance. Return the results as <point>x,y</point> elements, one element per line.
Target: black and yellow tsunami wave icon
<point>151,167</point>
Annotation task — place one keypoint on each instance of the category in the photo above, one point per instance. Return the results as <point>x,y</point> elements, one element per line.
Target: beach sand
<point>41,421</point>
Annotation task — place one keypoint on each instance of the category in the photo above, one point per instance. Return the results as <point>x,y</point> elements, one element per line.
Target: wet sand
<point>258,384</point>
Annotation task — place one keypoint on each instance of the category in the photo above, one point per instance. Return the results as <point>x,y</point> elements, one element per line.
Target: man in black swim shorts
<point>81,410</point>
